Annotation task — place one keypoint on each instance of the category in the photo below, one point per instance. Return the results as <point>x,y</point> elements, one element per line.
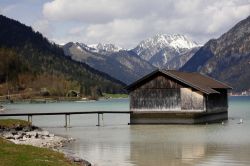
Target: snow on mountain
<point>100,48</point>
<point>123,65</point>
<point>79,48</point>
<point>162,48</point>
<point>104,48</point>
<point>162,51</point>
<point>181,41</point>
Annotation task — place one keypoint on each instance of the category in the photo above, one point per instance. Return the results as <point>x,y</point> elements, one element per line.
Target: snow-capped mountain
<point>160,49</point>
<point>101,48</point>
<point>105,47</point>
<point>123,65</point>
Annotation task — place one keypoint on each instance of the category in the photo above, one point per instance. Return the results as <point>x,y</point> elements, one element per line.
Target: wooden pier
<point>66,114</point>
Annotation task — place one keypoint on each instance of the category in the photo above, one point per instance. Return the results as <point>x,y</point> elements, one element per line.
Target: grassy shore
<point>107,95</point>
<point>13,123</point>
<point>42,99</point>
<point>27,155</point>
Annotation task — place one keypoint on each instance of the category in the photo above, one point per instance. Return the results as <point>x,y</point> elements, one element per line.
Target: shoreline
<point>35,136</point>
<point>42,100</point>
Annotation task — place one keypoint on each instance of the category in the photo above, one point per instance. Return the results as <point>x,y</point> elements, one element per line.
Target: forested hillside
<point>30,61</point>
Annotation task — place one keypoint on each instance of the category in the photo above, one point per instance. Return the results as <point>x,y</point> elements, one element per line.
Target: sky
<point>126,22</point>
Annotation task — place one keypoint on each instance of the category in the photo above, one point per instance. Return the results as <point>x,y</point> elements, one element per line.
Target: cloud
<point>87,10</point>
<point>126,22</point>
<point>223,14</point>
<point>119,31</point>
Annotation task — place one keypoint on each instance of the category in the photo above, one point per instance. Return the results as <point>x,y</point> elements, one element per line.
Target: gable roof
<point>195,80</point>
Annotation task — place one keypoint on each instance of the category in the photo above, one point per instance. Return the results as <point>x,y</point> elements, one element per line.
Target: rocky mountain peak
<point>106,47</point>
<point>160,41</point>
<point>162,48</point>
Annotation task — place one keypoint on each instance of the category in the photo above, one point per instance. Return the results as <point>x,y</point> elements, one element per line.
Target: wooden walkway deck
<point>67,115</point>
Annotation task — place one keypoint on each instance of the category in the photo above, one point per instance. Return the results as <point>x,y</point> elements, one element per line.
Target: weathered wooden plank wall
<point>155,99</point>
<point>217,102</point>
<point>198,102</point>
<point>158,94</point>
<point>160,82</point>
<point>192,100</point>
<point>164,94</point>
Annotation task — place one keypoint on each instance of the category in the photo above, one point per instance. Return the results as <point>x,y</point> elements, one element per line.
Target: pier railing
<point>66,114</point>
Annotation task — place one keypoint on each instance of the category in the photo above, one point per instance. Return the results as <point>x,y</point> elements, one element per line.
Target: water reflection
<point>167,154</point>
<point>166,147</point>
<point>188,145</point>
<point>106,146</point>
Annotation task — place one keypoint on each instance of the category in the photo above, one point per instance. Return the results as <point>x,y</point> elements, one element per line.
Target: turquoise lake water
<point>117,144</point>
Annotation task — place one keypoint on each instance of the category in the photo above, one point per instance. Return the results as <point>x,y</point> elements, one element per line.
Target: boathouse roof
<point>194,80</point>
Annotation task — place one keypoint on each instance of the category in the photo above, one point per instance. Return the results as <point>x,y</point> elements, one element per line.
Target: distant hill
<point>226,58</point>
<point>123,65</point>
<point>36,56</point>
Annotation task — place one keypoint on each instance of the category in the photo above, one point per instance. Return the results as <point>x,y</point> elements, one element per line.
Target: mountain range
<point>226,58</point>
<point>160,51</point>
<point>123,65</point>
<point>107,67</point>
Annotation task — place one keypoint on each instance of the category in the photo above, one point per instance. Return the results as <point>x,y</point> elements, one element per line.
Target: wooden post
<point>30,118</point>
<point>98,119</point>
<point>66,121</point>
<point>102,120</point>
<point>69,120</point>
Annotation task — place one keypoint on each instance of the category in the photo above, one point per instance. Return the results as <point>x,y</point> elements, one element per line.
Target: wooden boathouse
<point>174,97</point>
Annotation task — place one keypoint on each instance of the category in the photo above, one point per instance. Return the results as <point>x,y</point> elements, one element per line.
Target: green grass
<point>12,123</point>
<point>27,155</point>
<point>115,95</point>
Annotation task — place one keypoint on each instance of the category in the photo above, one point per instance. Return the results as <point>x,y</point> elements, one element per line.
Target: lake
<point>117,144</point>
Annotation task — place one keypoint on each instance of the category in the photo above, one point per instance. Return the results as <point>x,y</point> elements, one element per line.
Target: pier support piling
<point>102,120</point>
<point>98,119</point>
<point>30,119</point>
<point>67,120</point>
